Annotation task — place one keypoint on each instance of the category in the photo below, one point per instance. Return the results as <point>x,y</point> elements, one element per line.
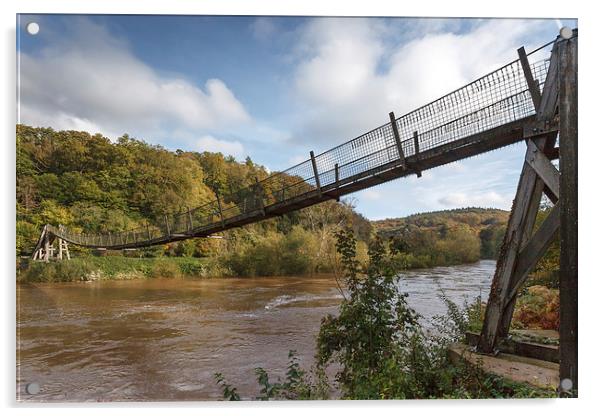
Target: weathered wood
<point>397,138</point>
<point>531,82</point>
<point>66,250</point>
<point>47,249</point>
<point>549,97</point>
<point>544,168</point>
<point>526,230</point>
<point>60,253</point>
<point>520,218</point>
<point>500,305</point>
<point>568,211</point>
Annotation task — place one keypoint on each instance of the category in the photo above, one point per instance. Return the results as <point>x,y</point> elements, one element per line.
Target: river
<point>161,339</point>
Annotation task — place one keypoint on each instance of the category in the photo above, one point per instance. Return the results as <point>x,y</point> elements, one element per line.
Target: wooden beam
<point>568,212</point>
<point>500,306</point>
<point>544,168</point>
<point>531,82</point>
<point>549,97</point>
<point>397,138</point>
<point>519,218</point>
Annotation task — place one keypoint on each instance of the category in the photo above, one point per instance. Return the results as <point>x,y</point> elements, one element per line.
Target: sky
<point>273,88</point>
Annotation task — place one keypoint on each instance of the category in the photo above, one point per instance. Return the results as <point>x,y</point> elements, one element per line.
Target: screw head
<point>32,28</point>
<point>32,388</point>
<point>566,32</point>
<point>566,384</point>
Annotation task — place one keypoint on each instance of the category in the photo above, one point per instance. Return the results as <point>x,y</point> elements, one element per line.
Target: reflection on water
<point>164,339</point>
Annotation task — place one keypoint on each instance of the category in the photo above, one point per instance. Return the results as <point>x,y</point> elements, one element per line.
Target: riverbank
<point>92,268</point>
<point>96,268</point>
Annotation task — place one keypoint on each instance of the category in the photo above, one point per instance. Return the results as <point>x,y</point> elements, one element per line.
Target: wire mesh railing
<point>498,98</point>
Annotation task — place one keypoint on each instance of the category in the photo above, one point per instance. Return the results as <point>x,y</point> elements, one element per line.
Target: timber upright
<point>45,249</point>
<point>556,108</point>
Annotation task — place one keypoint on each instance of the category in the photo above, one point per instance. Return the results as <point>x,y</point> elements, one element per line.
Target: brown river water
<point>156,340</point>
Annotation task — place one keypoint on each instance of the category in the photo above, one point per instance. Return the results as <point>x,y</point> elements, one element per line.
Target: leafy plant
<point>379,348</point>
<point>227,389</point>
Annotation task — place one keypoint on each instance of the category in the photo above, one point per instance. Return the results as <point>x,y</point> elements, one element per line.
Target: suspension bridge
<point>531,99</point>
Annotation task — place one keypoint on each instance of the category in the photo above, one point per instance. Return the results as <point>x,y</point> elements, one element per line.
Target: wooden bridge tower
<point>45,249</point>
<point>522,247</point>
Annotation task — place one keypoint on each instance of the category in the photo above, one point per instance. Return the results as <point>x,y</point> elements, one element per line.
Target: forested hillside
<point>445,237</point>
<point>90,184</point>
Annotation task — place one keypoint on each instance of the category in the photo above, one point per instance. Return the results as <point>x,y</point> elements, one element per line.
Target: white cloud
<point>211,144</point>
<point>295,160</point>
<point>460,199</point>
<point>370,194</point>
<point>349,75</point>
<point>89,79</point>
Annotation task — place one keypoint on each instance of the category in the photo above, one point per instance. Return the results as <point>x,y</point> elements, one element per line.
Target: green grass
<point>115,268</point>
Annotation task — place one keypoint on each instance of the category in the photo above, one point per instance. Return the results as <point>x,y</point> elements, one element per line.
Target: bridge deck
<point>489,113</point>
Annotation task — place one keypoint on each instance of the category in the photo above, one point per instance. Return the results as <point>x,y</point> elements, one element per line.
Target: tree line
<point>93,185</point>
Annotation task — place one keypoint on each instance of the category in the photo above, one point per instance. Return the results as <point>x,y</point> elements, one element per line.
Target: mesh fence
<point>493,100</point>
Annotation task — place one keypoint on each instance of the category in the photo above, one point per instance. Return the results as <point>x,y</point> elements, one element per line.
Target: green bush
<point>64,271</point>
<point>275,254</point>
<point>379,349</point>
<point>116,267</point>
<point>165,269</point>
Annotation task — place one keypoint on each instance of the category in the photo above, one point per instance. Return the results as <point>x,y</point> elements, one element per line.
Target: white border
<point>589,216</point>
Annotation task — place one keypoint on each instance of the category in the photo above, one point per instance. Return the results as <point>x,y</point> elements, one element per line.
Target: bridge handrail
<point>499,97</point>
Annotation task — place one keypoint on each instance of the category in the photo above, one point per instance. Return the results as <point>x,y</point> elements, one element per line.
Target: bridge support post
<point>521,248</point>
<point>568,215</point>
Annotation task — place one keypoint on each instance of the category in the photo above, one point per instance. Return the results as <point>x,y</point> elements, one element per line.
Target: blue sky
<point>273,88</point>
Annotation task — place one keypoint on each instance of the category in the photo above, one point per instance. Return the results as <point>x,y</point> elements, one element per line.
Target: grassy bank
<point>91,268</point>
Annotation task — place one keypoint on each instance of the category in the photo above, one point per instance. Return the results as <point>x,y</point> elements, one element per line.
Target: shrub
<point>63,271</point>
<point>165,269</point>
<point>379,348</point>
<point>537,308</point>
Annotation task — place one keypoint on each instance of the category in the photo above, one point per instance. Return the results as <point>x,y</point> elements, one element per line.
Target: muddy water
<point>164,339</point>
